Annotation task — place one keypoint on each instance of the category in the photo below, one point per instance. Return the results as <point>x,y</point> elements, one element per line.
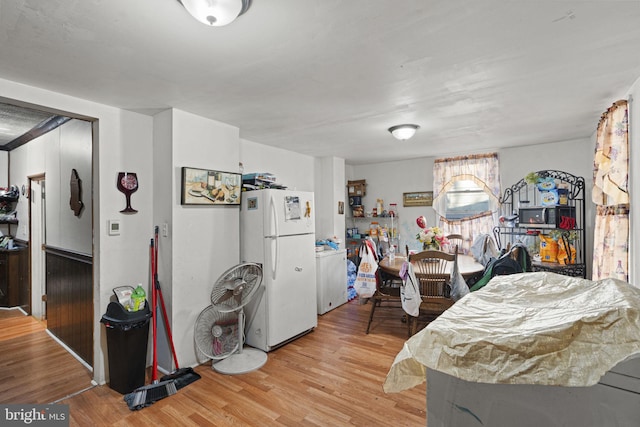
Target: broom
<point>149,394</point>
<point>181,376</point>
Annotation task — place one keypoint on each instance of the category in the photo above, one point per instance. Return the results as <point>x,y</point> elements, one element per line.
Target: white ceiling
<point>328,77</point>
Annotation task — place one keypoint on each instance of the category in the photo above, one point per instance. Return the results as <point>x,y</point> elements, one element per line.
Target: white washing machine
<point>331,279</point>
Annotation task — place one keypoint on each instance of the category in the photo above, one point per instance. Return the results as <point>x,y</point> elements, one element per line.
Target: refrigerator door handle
<point>274,259</point>
<point>274,216</point>
<point>274,221</point>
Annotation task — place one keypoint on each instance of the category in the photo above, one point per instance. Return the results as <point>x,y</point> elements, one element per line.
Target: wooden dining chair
<point>387,292</point>
<point>456,240</point>
<point>433,271</point>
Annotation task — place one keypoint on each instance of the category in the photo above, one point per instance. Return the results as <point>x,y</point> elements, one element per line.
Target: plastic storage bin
<point>127,337</point>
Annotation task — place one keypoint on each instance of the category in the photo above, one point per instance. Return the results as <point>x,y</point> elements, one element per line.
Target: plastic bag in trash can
<point>118,317</point>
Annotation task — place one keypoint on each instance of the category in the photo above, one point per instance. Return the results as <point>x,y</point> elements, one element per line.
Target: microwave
<point>545,216</point>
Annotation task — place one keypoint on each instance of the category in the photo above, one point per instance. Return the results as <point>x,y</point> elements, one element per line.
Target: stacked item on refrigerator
<point>259,181</point>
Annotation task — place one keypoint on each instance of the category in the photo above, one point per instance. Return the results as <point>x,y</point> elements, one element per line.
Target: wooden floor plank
<point>330,377</point>
<point>34,368</point>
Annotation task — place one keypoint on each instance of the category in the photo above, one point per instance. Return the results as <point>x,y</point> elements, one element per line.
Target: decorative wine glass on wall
<point>128,184</point>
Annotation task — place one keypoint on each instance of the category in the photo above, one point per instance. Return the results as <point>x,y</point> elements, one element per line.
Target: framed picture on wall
<point>418,198</point>
<point>210,187</point>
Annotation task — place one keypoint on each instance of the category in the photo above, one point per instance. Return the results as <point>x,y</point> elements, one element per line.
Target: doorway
<point>37,240</point>
<point>59,257</point>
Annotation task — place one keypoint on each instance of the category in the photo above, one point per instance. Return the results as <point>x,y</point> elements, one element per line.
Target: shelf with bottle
<point>383,234</point>
<point>382,220</point>
<point>373,226</point>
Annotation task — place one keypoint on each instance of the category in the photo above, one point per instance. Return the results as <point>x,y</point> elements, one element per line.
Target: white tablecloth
<point>529,328</point>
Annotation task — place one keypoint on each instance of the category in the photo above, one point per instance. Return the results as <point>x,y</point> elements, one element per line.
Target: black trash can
<point>127,337</point>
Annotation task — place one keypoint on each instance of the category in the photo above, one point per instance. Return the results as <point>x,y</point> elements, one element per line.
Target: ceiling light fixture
<point>403,132</point>
<point>216,13</point>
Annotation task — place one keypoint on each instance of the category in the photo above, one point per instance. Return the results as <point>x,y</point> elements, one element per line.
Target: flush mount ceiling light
<point>216,13</point>
<point>403,132</point>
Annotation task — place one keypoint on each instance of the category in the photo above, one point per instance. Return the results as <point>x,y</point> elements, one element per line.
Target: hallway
<point>34,368</point>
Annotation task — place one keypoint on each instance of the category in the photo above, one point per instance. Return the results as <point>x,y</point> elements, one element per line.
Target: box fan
<point>219,329</point>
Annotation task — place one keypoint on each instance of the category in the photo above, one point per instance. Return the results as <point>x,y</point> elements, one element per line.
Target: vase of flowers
<point>432,238</point>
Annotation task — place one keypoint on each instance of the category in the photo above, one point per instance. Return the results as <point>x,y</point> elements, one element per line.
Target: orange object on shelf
<point>373,229</point>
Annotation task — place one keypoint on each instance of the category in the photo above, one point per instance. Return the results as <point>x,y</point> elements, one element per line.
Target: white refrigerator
<point>277,231</point>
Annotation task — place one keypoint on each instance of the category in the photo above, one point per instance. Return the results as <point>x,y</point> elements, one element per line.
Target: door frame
<point>40,241</point>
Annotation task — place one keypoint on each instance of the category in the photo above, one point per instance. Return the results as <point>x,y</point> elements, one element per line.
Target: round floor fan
<point>219,329</point>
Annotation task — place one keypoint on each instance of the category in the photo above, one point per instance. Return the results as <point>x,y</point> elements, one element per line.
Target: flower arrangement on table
<point>431,237</point>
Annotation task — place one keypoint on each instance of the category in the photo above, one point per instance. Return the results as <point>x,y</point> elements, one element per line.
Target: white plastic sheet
<point>529,328</point>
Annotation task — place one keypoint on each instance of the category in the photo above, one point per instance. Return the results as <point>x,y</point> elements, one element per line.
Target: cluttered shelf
<point>545,211</point>
<point>380,228</point>
<point>8,202</point>
<point>575,270</point>
<point>543,260</point>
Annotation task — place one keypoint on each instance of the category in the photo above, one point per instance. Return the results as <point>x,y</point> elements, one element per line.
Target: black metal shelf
<point>576,270</point>
<point>527,194</point>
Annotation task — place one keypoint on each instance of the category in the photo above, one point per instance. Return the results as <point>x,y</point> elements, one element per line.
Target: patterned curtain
<point>611,195</point>
<point>484,171</point>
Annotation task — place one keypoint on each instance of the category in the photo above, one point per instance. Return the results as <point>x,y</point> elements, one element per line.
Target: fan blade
<point>242,281</point>
<point>216,333</point>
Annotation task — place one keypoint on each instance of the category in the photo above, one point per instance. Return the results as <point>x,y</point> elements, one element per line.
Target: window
<point>465,199</point>
<point>466,192</point>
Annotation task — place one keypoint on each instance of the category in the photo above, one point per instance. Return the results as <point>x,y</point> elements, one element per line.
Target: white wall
<point>28,160</point>
<point>294,170</point>
<point>163,201</point>
<point>55,154</point>
<point>205,238</point>
<point>389,180</point>
<point>329,191</point>
<point>575,157</point>
<point>123,143</point>
<point>70,231</point>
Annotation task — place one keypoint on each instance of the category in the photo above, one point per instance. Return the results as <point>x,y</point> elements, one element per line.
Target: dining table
<point>468,266</point>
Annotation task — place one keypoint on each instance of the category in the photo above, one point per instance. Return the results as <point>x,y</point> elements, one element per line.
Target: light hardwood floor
<point>330,377</point>
<point>34,368</point>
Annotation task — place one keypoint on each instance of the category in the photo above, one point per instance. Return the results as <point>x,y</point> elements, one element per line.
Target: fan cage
<point>217,347</point>
<point>221,295</point>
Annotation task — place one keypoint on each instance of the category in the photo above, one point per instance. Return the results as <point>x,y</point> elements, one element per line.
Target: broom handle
<point>154,369</point>
<point>164,309</point>
<point>168,328</point>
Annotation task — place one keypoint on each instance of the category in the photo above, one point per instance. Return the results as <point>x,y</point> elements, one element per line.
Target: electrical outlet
<point>165,230</point>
